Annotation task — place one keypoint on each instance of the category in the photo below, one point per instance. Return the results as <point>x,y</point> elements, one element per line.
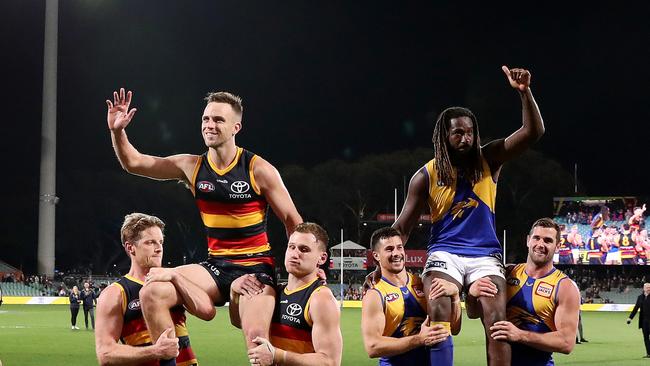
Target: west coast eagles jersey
<point>531,306</point>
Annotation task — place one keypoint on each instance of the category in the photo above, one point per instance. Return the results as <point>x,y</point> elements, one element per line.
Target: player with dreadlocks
<point>459,186</point>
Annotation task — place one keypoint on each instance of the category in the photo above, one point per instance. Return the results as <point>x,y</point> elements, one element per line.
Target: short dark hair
<point>547,223</point>
<point>382,233</point>
<point>317,231</point>
<point>228,98</point>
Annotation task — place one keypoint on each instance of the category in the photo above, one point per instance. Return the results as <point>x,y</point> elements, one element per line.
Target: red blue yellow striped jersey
<point>462,215</point>
<point>291,324</point>
<point>134,329</point>
<point>231,206</point>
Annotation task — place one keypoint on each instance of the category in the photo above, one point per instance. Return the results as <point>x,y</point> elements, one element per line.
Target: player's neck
<point>223,155</point>
<point>398,279</point>
<point>138,272</point>
<point>537,271</point>
<point>295,282</point>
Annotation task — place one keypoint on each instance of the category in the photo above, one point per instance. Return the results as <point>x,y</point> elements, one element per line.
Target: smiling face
<point>541,245</point>
<point>147,250</point>
<point>389,253</point>
<point>304,254</point>
<point>219,124</point>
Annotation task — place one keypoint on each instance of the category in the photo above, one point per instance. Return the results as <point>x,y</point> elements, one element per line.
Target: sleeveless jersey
<point>291,324</point>
<point>564,245</point>
<point>405,310</point>
<point>232,209</point>
<point>593,248</point>
<point>134,329</point>
<point>462,215</point>
<point>531,306</point>
<point>627,246</point>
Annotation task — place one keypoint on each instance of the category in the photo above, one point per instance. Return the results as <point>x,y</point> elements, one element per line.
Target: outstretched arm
<point>416,200</point>
<point>109,327</point>
<point>172,167</point>
<point>499,151</point>
<point>566,321</point>
<point>270,184</point>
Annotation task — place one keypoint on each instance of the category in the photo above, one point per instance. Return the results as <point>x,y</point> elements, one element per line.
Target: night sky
<point>320,81</point>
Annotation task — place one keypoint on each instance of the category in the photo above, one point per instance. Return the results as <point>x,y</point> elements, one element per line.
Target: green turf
<point>41,335</point>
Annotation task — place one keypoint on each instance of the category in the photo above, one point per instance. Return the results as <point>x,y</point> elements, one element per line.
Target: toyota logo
<point>239,187</point>
<point>294,309</point>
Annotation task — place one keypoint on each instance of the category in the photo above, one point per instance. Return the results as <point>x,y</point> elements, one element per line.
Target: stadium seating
<point>18,289</point>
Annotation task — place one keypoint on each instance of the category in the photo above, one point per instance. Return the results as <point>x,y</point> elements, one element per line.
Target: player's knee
<point>253,331</point>
<point>438,310</point>
<point>154,293</point>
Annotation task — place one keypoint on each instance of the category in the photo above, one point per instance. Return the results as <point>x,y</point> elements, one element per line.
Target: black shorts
<point>223,272</point>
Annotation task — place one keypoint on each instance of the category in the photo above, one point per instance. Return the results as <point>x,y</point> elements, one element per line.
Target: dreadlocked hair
<point>446,175</point>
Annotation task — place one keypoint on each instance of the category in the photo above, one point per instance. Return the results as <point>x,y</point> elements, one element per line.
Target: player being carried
<point>233,188</point>
<point>459,187</point>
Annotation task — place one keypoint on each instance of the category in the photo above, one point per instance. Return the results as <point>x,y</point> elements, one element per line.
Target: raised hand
<point>119,116</point>
<point>518,78</point>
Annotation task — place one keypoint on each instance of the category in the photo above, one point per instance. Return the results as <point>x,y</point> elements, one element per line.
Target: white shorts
<point>465,270</point>
<point>556,258</point>
<point>613,256</point>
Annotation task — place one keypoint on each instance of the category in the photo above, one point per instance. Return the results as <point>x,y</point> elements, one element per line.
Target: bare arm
<point>499,151</point>
<point>372,328</point>
<point>108,330</point>
<point>272,188</point>
<point>416,200</point>
<point>172,167</point>
<point>566,321</point>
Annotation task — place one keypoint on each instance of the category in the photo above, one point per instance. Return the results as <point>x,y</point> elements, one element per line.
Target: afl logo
<point>205,186</point>
<point>392,297</point>
<point>239,187</point>
<point>294,309</point>
<point>134,304</point>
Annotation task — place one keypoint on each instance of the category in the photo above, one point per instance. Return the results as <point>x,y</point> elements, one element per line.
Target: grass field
<point>41,335</point>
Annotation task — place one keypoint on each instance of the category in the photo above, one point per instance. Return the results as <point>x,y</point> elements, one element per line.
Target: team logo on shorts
<point>205,186</point>
<point>435,264</point>
<point>544,289</point>
<point>392,297</point>
<point>134,304</point>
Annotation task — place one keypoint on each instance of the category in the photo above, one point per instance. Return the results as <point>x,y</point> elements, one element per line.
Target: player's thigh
<point>443,265</point>
<point>199,275</point>
<point>257,311</point>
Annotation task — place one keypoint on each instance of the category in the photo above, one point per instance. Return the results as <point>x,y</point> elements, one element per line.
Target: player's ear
<point>322,259</point>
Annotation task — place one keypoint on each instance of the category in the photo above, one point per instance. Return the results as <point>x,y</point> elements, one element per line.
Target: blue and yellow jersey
<point>462,215</point>
<point>531,306</point>
<point>405,310</point>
